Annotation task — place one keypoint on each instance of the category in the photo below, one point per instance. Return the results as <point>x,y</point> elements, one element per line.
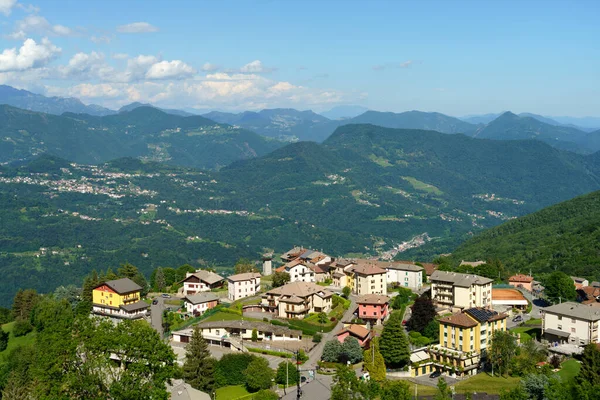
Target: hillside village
<point>445,322</point>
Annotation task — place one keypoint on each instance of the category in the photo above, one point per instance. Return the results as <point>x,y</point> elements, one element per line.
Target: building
<point>359,332</point>
<point>201,281</point>
<point>580,282</point>
<point>299,271</point>
<point>373,308</point>
<point>199,303</point>
<point>232,334</point>
<point>472,264</point>
<point>296,300</point>
<point>521,281</point>
<point>243,285</point>
<point>183,391</point>
<point>456,290</point>
<point>368,279</point>
<point>589,295</point>
<point>420,363</point>
<point>509,298</point>
<point>406,275</point>
<point>464,337</point>
<point>571,322</point>
<point>119,298</point>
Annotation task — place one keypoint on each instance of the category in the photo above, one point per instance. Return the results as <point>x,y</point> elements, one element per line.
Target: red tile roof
<point>521,278</point>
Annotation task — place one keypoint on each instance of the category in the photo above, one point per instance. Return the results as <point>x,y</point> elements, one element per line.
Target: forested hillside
<point>565,236</point>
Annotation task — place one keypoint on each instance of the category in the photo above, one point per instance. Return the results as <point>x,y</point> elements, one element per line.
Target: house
<point>373,308</point>
<point>521,281</point>
<point>296,300</point>
<point>510,298</point>
<point>321,272</point>
<point>571,322</point>
<point>243,285</point>
<point>589,295</point>
<point>183,391</point>
<point>464,337</point>
<point>232,334</point>
<point>580,282</point>
<point>406,275</point>
<point>341,273</point>
<point>456,290</point>
<point>472,264</point>
<point>362,334</point>
<point>368,279</point>
<point>299,271</point>
<point>199,303</point>
<point>292,254</point>
<point>201,281</point>
<point>119,298</point>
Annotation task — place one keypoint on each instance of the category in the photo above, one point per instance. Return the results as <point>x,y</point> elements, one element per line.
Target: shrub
<point>317,338</point>
<point>230,369</point>
<point>22,327</point>
<point>254,335</point>
<point>3,339</point>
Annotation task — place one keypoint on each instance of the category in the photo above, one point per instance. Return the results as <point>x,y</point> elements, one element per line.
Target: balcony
<point>297,310</point>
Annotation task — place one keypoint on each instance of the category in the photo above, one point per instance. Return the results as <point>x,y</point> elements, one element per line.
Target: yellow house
<point>119,298</point>
<point>464,337</point>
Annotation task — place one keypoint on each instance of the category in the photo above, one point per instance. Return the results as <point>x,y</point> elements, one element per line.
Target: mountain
<point>50,105</point>
<point>366,190</point>
<point>144,132</point>
<point>510,126</point>
<point>344,112</point>
<point>564,236</point>
<point>584,122</point>
<point>133,106</point>
<point>415,120</point>
<point>480,119</point>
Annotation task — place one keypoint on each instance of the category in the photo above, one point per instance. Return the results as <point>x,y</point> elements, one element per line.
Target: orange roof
<point>521,278</point>
<point>356,330</point>
<point>459,319</point>
<point>507,294</point>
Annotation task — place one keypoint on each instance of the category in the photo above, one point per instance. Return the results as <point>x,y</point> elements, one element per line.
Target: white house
<point>243,285</point>
<point>299,270</point>
<point>409,276</point>
<point>458,290</point>
<point>198,304</point>
<point>297,300</point>
<point>201,281</point>
<point>571,322</point>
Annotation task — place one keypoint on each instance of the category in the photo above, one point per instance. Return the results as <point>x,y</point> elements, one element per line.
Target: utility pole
<point>298,394</point>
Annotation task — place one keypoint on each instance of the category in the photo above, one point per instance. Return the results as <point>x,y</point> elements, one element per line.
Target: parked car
<point>166,295</point>
<point>518,318</point>
<point>435,374</point>
<point>154,302</point>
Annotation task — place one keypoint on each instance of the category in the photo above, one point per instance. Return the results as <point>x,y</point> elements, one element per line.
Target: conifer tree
<point>159,279</point>
<point>393,344</point>
<point>198,368</point>
<point>374,363</point>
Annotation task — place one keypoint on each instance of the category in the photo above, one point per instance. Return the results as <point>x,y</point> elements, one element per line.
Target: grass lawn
<point>527,332</point>
<point>224,316</point>
<point>534,321</point>
<point>422,390</point>
<point>568,370</point>
<point>232,392</point>
<point>485,383</point>
<point>16,341</point>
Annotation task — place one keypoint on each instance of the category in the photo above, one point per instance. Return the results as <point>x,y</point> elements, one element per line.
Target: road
<point>156,311</point>
<point>317,389</point>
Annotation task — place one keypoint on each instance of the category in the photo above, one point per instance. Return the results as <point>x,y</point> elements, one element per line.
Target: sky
<point>454,57</point>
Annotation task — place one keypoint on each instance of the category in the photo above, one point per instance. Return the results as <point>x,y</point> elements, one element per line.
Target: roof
<point>293,253</point>
<point>206,276</point>
<point>458,279</point>
<point>521,278</point>
<point>588,292</point>
<point>556,332</point>
<point>372,299</point>
<point>183,391</point>
<point>471,263</point>
<point>368,269</point>
<point>484,315</point>
<point>459,319</point>
<point>321,269</point>
<point>578,280</point>
<point>356,330</point>
<point>137,306</point>
<point>300,289</point>
<point>418,356</point>
<point>122,286</point>
<point>244,277</point>
<point>429,268</point>
<point>201,298</point>
<point>574,310</point>
<point>242,324</point>
<point>507,294</point>
<point>405,267</point>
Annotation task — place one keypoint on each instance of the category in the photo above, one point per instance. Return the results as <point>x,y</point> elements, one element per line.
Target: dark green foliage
<point>287,372</point>
<point>502,350</point>
<point>230,369</point>
<point>258,375</point>
<point>517,393</point>
<point>559,287</point>
<point>423,313</point>
<point>243,265</point>
<point>70,293</point>
<point>432,330</point>
<point>402,298</point>
<point>351,351</point>
<point>373,361</point>
<point>198,368</point>
<point>393,344</point>
<point>22,327</point>
<point>24,303</point>
<point>265,394</point>
<point>254,335</point>
<point>588,379</point>
<point>159,280</point>
<point>4,336</point>
<point>332,351</point>
<point>395,390</point>
<point>317,337</point>
<point>443,390</point>
<point>6,315</point>
<point>280,278</point>
<point>346,291</point>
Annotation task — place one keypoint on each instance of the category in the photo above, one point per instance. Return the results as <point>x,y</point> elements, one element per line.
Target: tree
<point>322,318</point>
<point>402,298</point>
<point>395,390</point>
<point>3,339</point>
<point>517,393</point>
<point>244,265</point>
<point>254,335</point>
<point>231,367</point>
<point>24,302</point>
<point>347,386</point>
<point>128,270</point>
<point>89,283</point>
<point>5,315</point>
<point>287,373</point>
<point>346,291</point>
<point>198,368</point>
<point>265,395</point>
<point>280,278</point>
<point>159,280</point>
<point>443,391</point>
<point>373,362</point>
<point>393,344</point>
<point>351,351</point>
<point>110,275</point>
<point>70,293</point>
<point>502,350</point>
<point>559,287</point>
<point>588,378</point>
<point>432,330</point>
<point>423,312</point>
<point>22,327</point>
<point>535,385</point>
<point>258,375</point>
<point>332,351</point>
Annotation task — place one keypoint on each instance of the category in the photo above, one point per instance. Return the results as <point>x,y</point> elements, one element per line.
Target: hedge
<point>270,352</point>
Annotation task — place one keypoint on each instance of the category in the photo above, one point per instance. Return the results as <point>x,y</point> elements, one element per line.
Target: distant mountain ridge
<point>133,106</point>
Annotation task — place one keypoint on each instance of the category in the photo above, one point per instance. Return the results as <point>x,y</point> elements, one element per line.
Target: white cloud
<point>175,69</point>
<point>40,25</point>
<point>137,27</point>
<point>120,56</point>
<point>28,8</point>
<point>255,67</point>
<point>101,39</point>
<point>6,6</point>
<point>30,55</point>
<point>208,67</point>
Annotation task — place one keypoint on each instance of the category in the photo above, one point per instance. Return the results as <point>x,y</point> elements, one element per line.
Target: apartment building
<point>299,271</point>
<point>406,275</point>
<point>119,298</point>
<point>198,304</point>
<point>243,285</point>
<point>296,300</point>
<point>464,337</point>
<point>571,322</point>
<point>373,308</point>
<point>201,281</point>
<point>456,290</point>
<point>369,279</point>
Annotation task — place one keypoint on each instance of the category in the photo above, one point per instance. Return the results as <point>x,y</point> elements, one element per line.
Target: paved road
<point>317,389</point>
<point>156,311</point>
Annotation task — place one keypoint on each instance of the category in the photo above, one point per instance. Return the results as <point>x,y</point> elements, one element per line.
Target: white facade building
<point>458,290</point>
<point>243,285</point>
<point>409,276</point>
<point>198,304</point>
<point>571,322</point>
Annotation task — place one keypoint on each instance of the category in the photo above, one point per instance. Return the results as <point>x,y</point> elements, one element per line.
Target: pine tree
<point>110,275</point>
<point>198,368</point>
<point>128,270</point>
<point>393,344</point>
<point>159,279</point>
<point>375,366</point>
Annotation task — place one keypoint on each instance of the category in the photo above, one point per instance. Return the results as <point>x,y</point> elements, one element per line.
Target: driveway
<point>156,312</point>
<point>427,381</point>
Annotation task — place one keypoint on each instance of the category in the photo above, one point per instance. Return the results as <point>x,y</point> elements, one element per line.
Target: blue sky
<point>454,57</point>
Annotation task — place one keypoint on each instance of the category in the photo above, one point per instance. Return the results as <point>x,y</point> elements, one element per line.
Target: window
<point>573,320</point>
<point>445,334</point>
<point>560,327</point>
<point>560,317</point>
<point>573,330</point>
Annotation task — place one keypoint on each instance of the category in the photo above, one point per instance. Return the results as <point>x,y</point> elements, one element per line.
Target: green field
<point>13,342</point>
<point>224,316</point>
<point>485,383</point>
<point>232,393</point>
<point>569,369</point>
<point>527,332</point>
<point>422,186</point>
